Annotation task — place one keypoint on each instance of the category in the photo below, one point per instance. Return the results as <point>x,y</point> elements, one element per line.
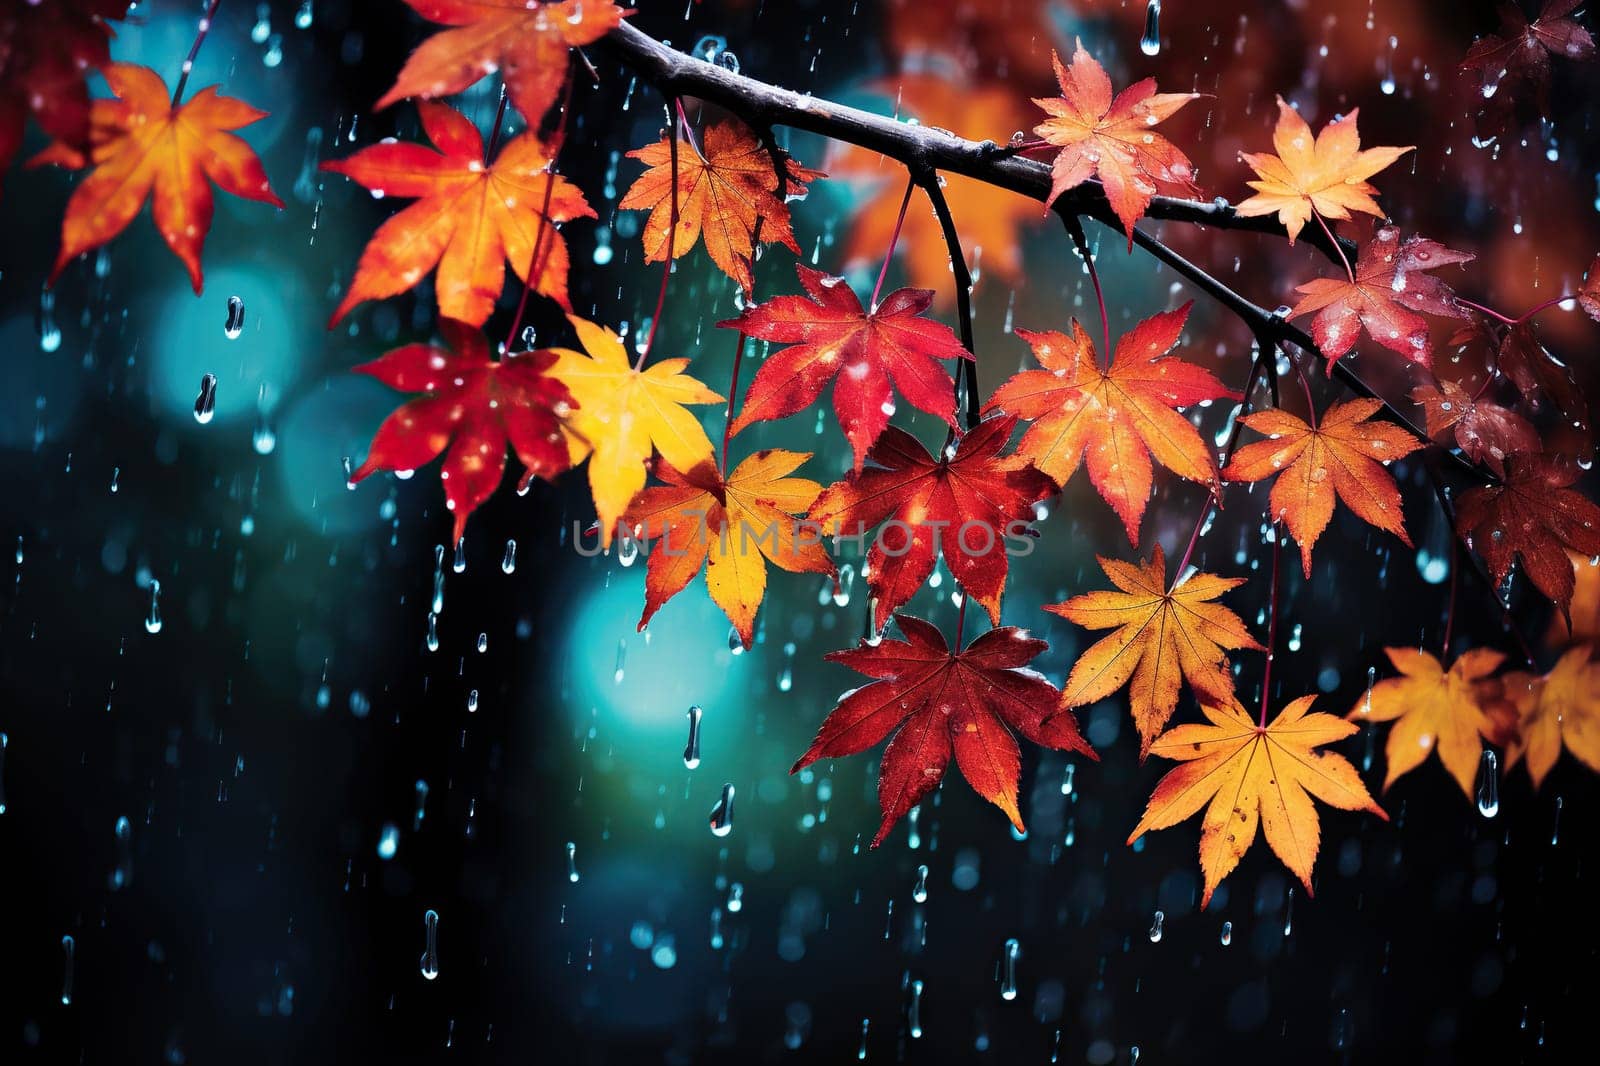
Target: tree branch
<point>926,150</point>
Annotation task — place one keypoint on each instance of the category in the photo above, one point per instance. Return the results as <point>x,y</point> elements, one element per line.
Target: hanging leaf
<point>940,705</point>
<point>1342,458</point>
<point>1484,431</point>
<point>525,42</point>
<point>474,407</point>
<point>966,504</point>
<point>1556,710</point>
<point>699,519</point>
<point>1119,417</point>
<point>872,352</point>
<point>1246,776</point>
<point>141,146</point>
<point>469,219</point>
<point>724,188</point>
<point>1326,174</point>
<point>1113,139</point>
<point>624,413</point>
<point>47,51</point>
<point>1433,709</point>
<point>1164,636</point>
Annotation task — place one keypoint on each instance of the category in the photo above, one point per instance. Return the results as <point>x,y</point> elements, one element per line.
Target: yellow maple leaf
<point>1163,637</point>
<point>1326,174</point>
<point>623,414</point>
<point>1560,708</point>
<point>1247,775</point>
<point>727,525</point>
<point>1433,709</point>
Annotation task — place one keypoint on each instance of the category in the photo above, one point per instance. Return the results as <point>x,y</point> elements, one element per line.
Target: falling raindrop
<point>388,841</point>
<point>1155,928</point>
<point>1288,914</point>
<point>68,949</point>
<point>152,622</point>
<point>49,332</point>
<point>572,862</point>
<point>722,814</point>
<point>691,750</point>
<point>1555,829</point>
<point>205,404</point>
<point>422,805</point>
<point>1150,43</point>
<point>1227,933</point>
<point>233,326</point>
<point>1008,969</point>
<point>914,1011</point>
<point>472,701</point>
<point>433,631</point>
<point>459,564</point>
<point>122,873</point>
<point>509,563</point>
<point>786,676</point>
<point>919,891</point>
<point>430,954</point>
<point>1489,784</point>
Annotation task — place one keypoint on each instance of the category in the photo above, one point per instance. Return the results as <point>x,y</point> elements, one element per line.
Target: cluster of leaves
<point>481,207</point>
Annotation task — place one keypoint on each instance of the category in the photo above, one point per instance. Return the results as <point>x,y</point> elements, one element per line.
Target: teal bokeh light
<point>319,430</point>
<point>684,659</point>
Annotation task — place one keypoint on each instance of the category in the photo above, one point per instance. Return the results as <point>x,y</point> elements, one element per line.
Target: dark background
<point>288,706</point>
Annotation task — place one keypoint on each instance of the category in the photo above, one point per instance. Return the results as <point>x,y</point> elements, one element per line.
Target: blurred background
<point>239,771</point>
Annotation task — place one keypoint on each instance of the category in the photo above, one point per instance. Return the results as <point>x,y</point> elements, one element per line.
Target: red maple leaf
<point>1485,431</point>
<point>1532,513</point>
<point>1518,56</point>
<point>475,407</point>
<point>831,335</point>
<point>1537,374</point>
<point>966,705</point>
<point>1390,285</point>
<point>965,504</point>
<point>46,52</point>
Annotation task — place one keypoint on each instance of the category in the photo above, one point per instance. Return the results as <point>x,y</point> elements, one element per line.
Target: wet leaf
<point>1556,710</point>
<point>1341,458</point>
<point>970,705</point>
<point>1117,417</point>
<point>470,218</point>
<point>1247,776</point>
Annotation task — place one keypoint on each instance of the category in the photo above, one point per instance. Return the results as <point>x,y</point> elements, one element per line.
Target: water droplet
<point>1489,784</point>
<point>1150,43</point>
<point>234,324</point>
<point>205,404</point>
<point>1227,933</point>
<point>722,813</point>
<point>388,841</point>
<point>1155,928</point>
<point>152,622</point>
<point>68,949</point>
<point>1008,969</point>
<point>919,891</point>
<point>691,750</point>
<point>509,563</point>
<point>430,954</point>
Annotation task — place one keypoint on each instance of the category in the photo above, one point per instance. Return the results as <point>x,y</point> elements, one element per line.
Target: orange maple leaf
<point>989,221</point>
<point>473,406</point>
<point>1433,709</point>
<point>469,219</point>
<point>1340,458</point>
<point>1559,708</point>
<point>526,42</point>
<point>1325,175</point>
<point>940,705</point>
<point>726,188</point>
<point>1119,416</point>
<point>1247,775</point>
<point>726,525</point>
<point>1164,636</point>
<point>1114,139</point>
<point>143,146</point>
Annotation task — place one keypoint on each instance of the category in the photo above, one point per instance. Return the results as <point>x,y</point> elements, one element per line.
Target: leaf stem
<point>1305,388</point>
<point>1491,312</point>
<point>672,247</point>
<point>1272,625</point>
<point>194,50</point>
<point>494,130</point>
<point>1334,241</point>
<point>965,368</point>
<point>894,239</point>
<point>1081,241</point>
